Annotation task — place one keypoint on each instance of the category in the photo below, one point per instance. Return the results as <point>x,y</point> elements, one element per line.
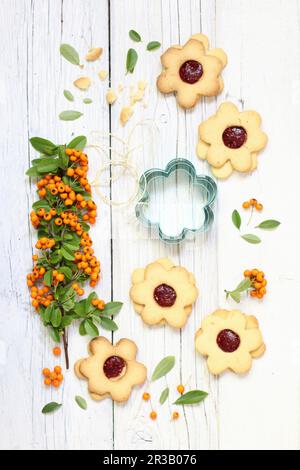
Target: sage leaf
<point>108,324</point>
<point>164,395</point>
<point>268,224</point>
<point>68,95</point>
<point>163,367</point>
<point>43,145</point>
<point>152,45</point>
<point>54,335</point>
<point>87,101</point>
<point>236,219</point>
<point>131,60</point>
<point>50,407</point>
<point>250,238</point>
<point>70,54</point>
<point>78,143</point>
<point>69,115</point>
<point>81,402</point>
<point>191,398</point>
<point>134,36</point>
<point>90,328</point>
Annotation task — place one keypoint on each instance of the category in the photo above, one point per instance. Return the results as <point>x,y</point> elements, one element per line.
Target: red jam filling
<point>234,137</point>
<point>113,367</point>
<point>164,295</point>
<point>191,71</point>
<point>228,340</point>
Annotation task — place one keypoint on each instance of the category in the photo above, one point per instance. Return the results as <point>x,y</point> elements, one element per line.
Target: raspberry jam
<point>228,340</point>
<point>191,71</point>
<point>234,137</point>
<point>164,295</point>
<point>113,367</point>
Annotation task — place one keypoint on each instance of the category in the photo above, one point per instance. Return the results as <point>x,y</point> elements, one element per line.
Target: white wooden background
<point>262,40</point>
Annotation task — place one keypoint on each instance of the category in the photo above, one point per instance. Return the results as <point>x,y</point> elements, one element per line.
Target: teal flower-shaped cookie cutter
<point>176,201</point>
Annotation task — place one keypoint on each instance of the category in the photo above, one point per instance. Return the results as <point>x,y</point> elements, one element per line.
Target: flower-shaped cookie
<point>163,293</point>
<point>111,371</point>
<point>192,71</point>
<point>230,140</point>
<point>229,339</point>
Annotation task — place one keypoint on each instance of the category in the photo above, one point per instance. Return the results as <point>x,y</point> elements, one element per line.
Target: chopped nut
<point>94,54</point>
<point>83,83</point>
<point>103,74</point>
<point>125,114</point>
<point>111,96</point>
<point>120,87</point>
<point>137,96</point>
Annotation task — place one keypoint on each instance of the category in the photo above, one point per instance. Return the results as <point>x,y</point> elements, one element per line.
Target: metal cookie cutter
<point>176,201</point>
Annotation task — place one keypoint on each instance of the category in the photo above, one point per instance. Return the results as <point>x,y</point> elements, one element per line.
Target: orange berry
<point>60,377</point>
<point>254,272</point>
<point>264,283</point>
<point>259,277</point>
<point>253,202</point>
<point>247,273</point>
<point>180,389</point>
<point>55,383</point>
<point>246,205</point>
<point>257,285</point>
<point>95,302</point>
<point>57,369</point>
<point>259,207</point>
<point>47,382</point>
<point>146,396</point>
<point>175,415</point>
<point>70,172</point>
<point>259,295</point>
<point>46,372</point>
<point>58,221</point>
<point>262,291</point>
<point>35,257</point>
<point>53,376</point>
<point>153,415</point>
<point>253,293</point>
<point>56,351</point>
<point>101,305</point>
<point>69,152</point>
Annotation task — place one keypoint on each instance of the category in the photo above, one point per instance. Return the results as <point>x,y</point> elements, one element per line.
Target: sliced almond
<point>120,87</point>
<point>94,54</point>
<point>142,85</point>
<point>137,96</point>
<point>125,114</point>
<point>111,96</point>
<point>83,83</point>
<point>103,74</point>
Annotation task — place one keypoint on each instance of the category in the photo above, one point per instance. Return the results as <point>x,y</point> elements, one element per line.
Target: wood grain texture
<point>261,38</point>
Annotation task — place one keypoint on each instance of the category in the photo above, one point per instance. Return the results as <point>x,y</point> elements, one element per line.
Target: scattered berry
<point>180,389</point>
<point>57,351</point>
<point>146,396</point>
<point>258,283</point>
<point>153,415</point>
<point>175,415</point>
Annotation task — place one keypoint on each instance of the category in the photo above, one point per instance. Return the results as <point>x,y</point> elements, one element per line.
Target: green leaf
<point>78,143</point>
<point>68,95</point>
<point>66,271</point>
<point>63,157</point>
<point>112,308</point>
<point>33,171</point>
<point>87,100</point>
<point>43,145</point>
<point>236,296</point>
<point>55,257</point>
<point>41,205</point>
<point>134,36</point>
<point>244,285</point>
<point>131,60</point>
<point>70,54</point>
<point>54,334</point>
<point>90,328</point>
<point>50,407</point>
<point>236,219</point>
<point>163,367</point>
<point>191,398</point>
<point>108,324</point>
<point>250,238</point>
<point>48,278</point>
<point>80,308</point>
<point>268,224</point>
<point>82,330</point>
<point>66,321</point>
<point>81,402</point>
<point>56,317</point>
<point>69,115</point>
<point>48,312</point>
<point>67,254</point>
<point>152,45</point>
<point>164,395</point>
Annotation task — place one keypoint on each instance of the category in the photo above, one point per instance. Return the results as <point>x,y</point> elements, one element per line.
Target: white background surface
<point>262,40</point>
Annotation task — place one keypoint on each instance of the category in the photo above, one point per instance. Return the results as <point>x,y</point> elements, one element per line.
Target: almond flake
<point>125,114</point>
<point>142,85</point>
<point>111,96</point>
<point>103,74</point>
<point>94,54</point>
<point>83,83</point>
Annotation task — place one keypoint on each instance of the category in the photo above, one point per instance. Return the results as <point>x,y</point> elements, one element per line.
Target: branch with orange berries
<point>65,261</point>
